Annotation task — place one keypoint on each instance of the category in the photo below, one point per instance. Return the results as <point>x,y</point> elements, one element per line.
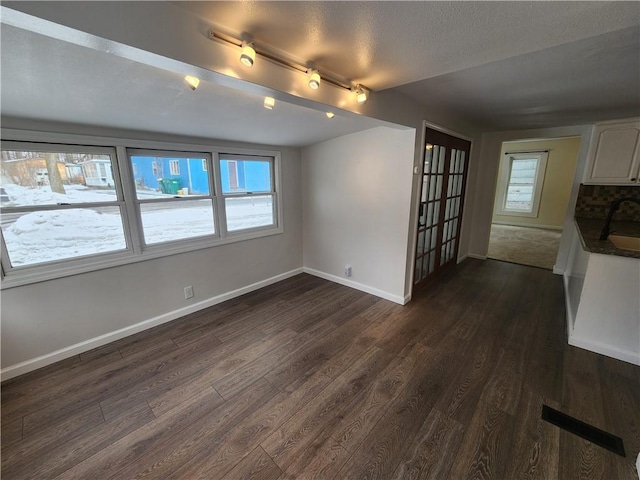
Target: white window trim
<point>137,252</point>
<point>174,156</point>
<point>174,167</point>
<point>503,183</point>
<point>273,192</point>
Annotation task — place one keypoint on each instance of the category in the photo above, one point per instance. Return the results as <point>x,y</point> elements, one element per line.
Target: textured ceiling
<point>589,80</point>
<point>386,44</point>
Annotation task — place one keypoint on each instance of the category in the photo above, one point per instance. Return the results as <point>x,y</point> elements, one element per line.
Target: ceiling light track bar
<point>280,61</point>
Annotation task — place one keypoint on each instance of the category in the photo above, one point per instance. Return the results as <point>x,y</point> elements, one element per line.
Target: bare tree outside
<point>55,180</point>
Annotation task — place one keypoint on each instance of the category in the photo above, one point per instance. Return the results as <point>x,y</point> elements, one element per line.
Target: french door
<point>444,179</point>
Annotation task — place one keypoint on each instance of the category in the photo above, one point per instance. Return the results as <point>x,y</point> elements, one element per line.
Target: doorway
<point>444,179</point>
<point>533,187</point>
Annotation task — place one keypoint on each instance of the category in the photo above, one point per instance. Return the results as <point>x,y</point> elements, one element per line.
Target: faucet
<point>612,209</point>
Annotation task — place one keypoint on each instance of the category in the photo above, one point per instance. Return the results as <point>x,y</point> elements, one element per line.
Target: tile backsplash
<point>593,201</point>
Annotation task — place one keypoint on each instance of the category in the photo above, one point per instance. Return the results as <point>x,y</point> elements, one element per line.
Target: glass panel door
<point>430,201</point>
<point>441,198</point>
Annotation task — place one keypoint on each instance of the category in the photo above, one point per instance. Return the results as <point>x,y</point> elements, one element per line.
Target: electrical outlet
<point>188,292</point>
<point>347,270</point>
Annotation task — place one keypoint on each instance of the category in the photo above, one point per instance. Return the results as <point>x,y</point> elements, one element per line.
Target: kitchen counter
<point>590,228</point>
<point>601,293</point>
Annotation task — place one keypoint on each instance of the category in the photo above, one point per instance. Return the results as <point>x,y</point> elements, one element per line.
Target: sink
<point>626,243</point>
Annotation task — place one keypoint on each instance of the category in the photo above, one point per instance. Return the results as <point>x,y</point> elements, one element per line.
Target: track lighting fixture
<point>361,94</point>
<point>330,114</point>
<point>248,54</point>
<point>314,79</point>
<point>269,102</point>
<point>193,82</point>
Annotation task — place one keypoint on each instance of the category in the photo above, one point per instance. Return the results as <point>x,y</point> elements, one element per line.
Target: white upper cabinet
<point>614,154</point>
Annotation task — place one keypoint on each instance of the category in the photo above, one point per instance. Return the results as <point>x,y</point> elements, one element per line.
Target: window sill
<point>516,213</point>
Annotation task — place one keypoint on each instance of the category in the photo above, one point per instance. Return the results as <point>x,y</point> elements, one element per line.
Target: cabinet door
<point>614,154</point>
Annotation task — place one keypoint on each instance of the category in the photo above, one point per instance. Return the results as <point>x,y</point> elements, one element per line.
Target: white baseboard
<point>358,286</point>
<point>518,224</point>
<point>625,356</point>
<point>479,257</point>
<point>44,360</point>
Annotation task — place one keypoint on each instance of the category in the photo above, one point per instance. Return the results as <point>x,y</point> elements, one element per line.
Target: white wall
<point>608,317</point>
<point>356,204</point>
<point>43,318</point>
<point>574,275</point>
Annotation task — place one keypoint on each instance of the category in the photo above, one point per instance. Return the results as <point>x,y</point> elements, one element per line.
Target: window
<point>248,191</point>
<point>173,208</point>
<point>50,215</point>
<point>232,169</point>
<point>68,208</point>
<point>521,185</point>
<point>174,167</point>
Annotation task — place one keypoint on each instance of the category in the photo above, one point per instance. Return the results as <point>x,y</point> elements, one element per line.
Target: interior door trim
<point>453,133</point>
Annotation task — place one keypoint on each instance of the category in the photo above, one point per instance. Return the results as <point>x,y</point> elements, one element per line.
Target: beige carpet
<point>527,246</point>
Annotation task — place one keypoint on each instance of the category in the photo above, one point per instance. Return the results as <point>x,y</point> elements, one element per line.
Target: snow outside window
<point>176,207</point>
<point>522,182</point>
<point>67,208</point>
<point>61,203</point>
<point>248,190</point>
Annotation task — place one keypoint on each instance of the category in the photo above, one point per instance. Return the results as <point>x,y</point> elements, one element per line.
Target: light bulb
<point>314,79</point>
<point>361,95</point>
<point>193,82</point>
<point>269,102</point>
<point>331,114</point>
<point>247,55</point>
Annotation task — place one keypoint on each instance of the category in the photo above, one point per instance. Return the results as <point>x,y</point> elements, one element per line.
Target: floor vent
<point>584,430</point>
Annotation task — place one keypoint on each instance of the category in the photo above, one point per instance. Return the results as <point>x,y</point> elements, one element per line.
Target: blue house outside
<point>237,176</point>
<point>191,173</point>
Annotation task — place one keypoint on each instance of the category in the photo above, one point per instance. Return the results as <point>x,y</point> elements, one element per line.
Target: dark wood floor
<point>309,379</point>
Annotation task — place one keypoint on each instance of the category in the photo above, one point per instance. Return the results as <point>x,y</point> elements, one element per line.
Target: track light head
<point>362,95</point>
<point>314,79</point>
<point>248,54</point>
<point>192,82</point>
<point>330,114</point>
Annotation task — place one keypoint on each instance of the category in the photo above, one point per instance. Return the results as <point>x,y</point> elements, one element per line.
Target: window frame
<point>538,184</point>
<point>235,157</point>
<point>173,155</point>
<point>28,270</point>
<point>123,173</point>
<point>174,167</point>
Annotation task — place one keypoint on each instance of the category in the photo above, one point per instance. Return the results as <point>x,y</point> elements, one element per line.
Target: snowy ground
<point>45,236</point>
